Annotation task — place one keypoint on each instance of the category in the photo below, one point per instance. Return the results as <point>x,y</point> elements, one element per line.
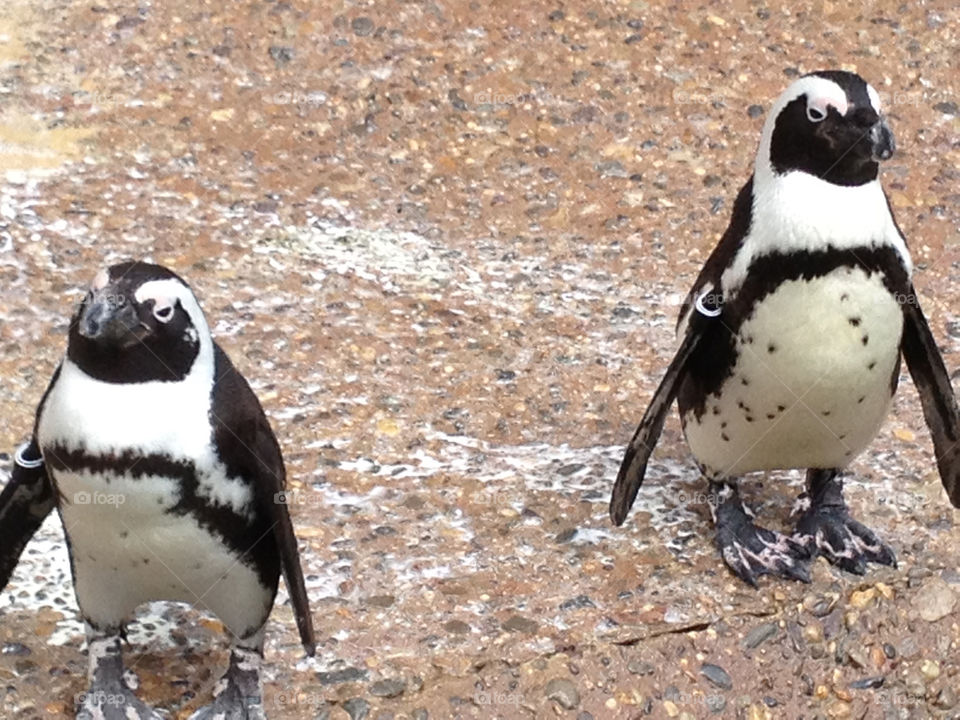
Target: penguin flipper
<point>936,393</point>
<point>25,502</point>
<point>634,464</point>
<point>242,426</point>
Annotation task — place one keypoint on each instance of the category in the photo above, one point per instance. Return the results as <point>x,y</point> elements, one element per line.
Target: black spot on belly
<point>744,381</point>
<point>771,348</point>
<point>862,398</point>
<point>749,419</point>
<point>716,410</point>
<point>123,534</point>
<point>855,321</point>
<point>841,437</point>
<point>872,365</point>
<point>725,437</point>
<point>865,339</point>
<point>826,413</point>
<point>723,424</point>
<point>770,416</point>
<point>781,408</point>
<point>844,297</point>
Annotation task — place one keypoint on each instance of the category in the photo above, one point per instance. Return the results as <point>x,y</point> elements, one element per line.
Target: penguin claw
<point>751,551</point>
<point>846,543</point>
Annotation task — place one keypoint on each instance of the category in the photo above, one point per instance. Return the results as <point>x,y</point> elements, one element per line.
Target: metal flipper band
<point>703,309</point>
<point>20,460</point>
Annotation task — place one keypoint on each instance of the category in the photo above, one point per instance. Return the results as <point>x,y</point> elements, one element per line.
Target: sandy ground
<point>446,242</point>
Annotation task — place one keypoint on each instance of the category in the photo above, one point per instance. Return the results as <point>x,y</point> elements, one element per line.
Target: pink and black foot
<point>111,692</point>
<point>826,528</point>
<point>749,550</point>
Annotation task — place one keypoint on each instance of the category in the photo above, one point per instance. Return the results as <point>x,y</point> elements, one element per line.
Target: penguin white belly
<point>812,379</point>
<point>128,549</point>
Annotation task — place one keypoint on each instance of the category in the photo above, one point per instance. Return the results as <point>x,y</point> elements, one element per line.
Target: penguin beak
<point>881,141</point>
<point>109,318</point>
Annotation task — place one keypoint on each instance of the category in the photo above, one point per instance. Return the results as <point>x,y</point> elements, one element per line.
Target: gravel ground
<point>446,242</point>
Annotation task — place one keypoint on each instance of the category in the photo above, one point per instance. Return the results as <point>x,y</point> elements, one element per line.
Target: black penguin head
<point>827,124</point>
<point>138,323</point>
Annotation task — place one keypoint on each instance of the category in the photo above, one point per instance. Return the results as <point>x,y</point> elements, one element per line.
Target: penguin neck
<point>797,212</point>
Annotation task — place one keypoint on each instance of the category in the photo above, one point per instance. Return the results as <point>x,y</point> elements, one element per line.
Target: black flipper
<point>707,292</point>
<point>24,504</point>
<point>635,459</point>
<point>27,499</point>
<point>936,393</point>
<point>242,433</point>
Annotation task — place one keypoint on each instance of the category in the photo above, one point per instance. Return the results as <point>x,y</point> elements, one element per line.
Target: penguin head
<point>827,124</point>
<point>139,322</point>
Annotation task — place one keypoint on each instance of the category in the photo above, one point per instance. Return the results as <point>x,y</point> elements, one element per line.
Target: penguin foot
<point>110,695</point>
<point>828,530</point>
<point>751,551</point>
<point>114,702</point>
<point>238,695</point>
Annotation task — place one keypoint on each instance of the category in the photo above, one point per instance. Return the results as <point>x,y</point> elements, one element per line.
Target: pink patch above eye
<point>101,280</point>
<point>823,103</point>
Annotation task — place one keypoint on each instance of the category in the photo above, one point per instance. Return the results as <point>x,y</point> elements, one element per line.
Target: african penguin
<point>793,334</point>
<point>169,483</point>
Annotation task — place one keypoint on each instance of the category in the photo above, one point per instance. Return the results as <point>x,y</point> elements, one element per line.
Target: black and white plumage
<point>168,480</point>
<point>793,333</point>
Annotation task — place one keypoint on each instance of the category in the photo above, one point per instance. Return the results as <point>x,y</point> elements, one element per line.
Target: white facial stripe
<point>823,103</point>
<point>170,290</point>
<point>874,98</point>
<point>817,89</point>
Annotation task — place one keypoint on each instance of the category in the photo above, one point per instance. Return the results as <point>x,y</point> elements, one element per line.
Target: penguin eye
<point>164,313</point>
<point>815,114</point>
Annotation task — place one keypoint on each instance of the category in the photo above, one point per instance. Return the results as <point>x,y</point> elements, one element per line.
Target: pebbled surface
<point>447,243</point>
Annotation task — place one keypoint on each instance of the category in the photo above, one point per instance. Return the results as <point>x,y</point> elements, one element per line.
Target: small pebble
<point>362,26</point>
<point>640,668</point>
<point>930,669</point>
<point>388,688</point>
<point>717,675</point>
<point>563,692</point>
<point>760,634</point>
<point>861,598</point>
<point>935,600</point>
<point>518,623</point>
<point>335,677</point>
<point>575,603</point>
<point>867,683</point>
<point>357,708</point>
